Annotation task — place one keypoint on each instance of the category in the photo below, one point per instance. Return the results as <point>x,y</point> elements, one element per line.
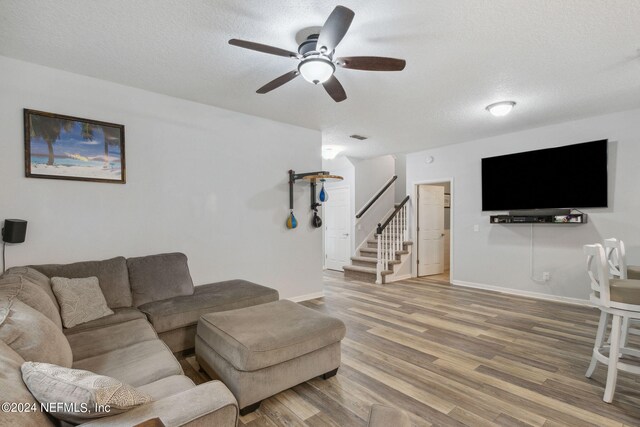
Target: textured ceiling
<point>560,60</point>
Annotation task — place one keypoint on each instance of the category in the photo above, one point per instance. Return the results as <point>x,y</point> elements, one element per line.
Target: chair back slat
<point>616,258</point>
<point>598,272</point>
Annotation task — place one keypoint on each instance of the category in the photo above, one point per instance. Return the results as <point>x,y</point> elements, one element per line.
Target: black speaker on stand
<point>14,231</point>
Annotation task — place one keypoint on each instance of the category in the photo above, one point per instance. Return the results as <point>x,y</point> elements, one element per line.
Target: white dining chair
<point>619,269</point>
<point>620,299</point>
<point>617,260</point>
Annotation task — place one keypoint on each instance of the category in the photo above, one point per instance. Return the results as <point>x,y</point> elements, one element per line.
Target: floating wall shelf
<point>572,218</point>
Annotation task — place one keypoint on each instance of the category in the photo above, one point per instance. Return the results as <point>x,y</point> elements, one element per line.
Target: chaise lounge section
<point>123,346</point>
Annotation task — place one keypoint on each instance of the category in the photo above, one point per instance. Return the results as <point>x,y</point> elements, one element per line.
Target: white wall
<point>365,178</point>
<point>371,176</point>
<point>401,172</point>
<point>208,182</point>
<point>498,255</point>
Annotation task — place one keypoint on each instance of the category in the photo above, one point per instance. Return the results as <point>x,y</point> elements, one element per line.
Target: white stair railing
<point>391,237</point>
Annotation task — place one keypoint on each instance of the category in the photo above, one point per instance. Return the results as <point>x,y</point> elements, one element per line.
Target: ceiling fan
<point>317,64</point>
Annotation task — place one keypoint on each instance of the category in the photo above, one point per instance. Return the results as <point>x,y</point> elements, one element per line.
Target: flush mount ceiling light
<point>329,152</point>
<point>500,109</point>
<point>317,69</point>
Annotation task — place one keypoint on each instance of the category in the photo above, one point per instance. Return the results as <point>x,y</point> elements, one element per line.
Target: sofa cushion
<point>35,277</point>
<point>12,389</point>
<point>75,389</point>
<point>180,339</point>
<point>137,364</point>
<point>80,300</point>
<point>626,291</point>
<point>93,342</point>
<point>167,386</point>
<point>30,334</point>
<point>158,277</point>
<point>183,311</point>
<point>264,335</point>
<point>207,405</point>
<point>111,273</point>
<point>34,296</point>
<point>120,315</point>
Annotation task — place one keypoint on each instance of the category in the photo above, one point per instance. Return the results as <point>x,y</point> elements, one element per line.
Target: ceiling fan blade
<point>335,28</point>
<point>335,89</point>
<point>276,83</point>
<point>263,48</point>
<point>371,63</point>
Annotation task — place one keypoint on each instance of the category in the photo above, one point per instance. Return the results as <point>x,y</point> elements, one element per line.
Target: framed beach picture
<point>64,147</point>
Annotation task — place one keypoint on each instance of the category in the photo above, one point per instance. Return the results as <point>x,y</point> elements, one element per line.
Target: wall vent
<point>358,137</point>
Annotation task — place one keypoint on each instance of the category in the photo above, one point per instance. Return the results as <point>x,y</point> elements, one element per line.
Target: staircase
<point>384,257</point>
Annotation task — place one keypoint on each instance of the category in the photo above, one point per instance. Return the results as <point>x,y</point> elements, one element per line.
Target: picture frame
<point>447,200</point>
<point>73,148</point>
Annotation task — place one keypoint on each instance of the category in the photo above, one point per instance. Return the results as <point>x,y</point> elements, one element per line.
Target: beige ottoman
<point>262,350</point>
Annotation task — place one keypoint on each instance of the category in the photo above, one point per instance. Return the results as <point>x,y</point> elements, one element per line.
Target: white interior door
<point>337,239</point>
<point>430,230</point>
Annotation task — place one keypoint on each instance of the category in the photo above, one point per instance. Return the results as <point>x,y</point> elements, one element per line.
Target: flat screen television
<point>572,176</point>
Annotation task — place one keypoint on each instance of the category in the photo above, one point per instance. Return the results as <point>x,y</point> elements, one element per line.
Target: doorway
<point>433,230</point>
<point>337,235</point>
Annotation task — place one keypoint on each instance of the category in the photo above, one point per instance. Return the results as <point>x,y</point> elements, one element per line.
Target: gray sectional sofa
<point>156,309</point>
<point>160,287</point>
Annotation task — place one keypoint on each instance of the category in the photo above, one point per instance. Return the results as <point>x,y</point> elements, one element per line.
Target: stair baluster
<point>378,266</point>
<point>391,239</point>
<point>381,260</point>
<point>397,228</point>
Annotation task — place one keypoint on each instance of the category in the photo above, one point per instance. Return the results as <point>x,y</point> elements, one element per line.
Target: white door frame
<point>351,228</point>
<point>414,224</point>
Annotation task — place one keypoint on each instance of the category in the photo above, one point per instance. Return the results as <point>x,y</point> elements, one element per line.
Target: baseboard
<point>307,297</point>
<point>528,294</point>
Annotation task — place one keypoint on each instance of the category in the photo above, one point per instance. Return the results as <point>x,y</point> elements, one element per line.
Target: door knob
<point>442,235</point>
<point>346,234</point>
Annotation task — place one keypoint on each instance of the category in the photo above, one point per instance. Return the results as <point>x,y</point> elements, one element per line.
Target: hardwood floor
<point>453,356</point>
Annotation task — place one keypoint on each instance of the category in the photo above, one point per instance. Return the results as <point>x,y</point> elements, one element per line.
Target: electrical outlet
<point>476,227</point>
<point>546,276</point>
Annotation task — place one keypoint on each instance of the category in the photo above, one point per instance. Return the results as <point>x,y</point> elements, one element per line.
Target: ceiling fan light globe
<point>316,70</point>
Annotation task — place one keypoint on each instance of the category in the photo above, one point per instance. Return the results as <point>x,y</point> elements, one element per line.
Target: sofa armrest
<point>209,404</point>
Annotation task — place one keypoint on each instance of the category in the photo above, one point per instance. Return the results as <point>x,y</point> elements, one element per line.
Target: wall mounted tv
<point>572,176</point>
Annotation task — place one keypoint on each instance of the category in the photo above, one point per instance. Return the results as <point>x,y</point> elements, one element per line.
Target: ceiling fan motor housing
<point>309,46</point>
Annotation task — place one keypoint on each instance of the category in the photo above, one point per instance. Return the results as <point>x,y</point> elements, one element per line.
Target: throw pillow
<point>30,334</point>
<point>79,395</point>
<point>80,300</point>
<point>34,296</point>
